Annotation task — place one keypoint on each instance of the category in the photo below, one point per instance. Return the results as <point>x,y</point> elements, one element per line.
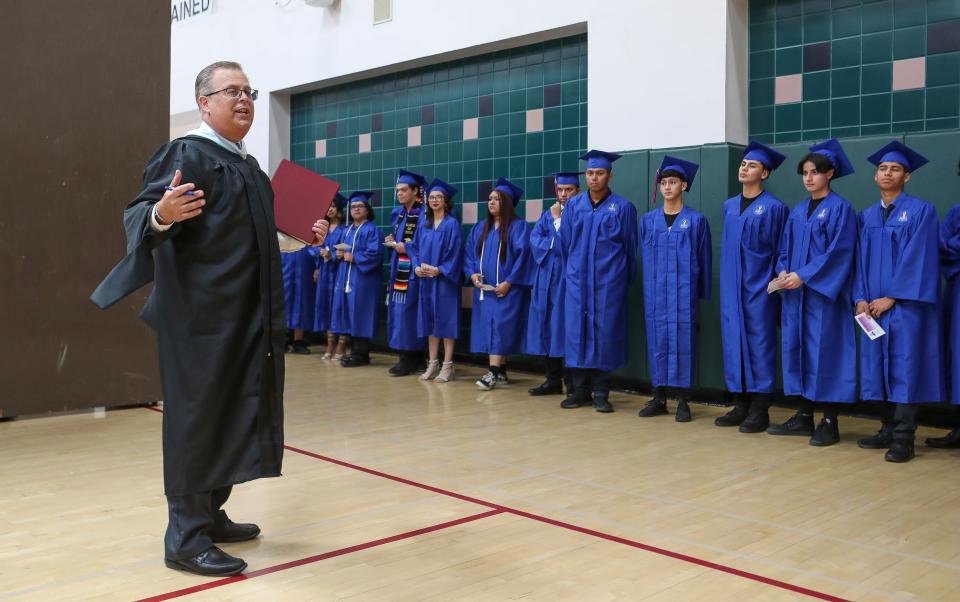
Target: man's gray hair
<point>206,74</point>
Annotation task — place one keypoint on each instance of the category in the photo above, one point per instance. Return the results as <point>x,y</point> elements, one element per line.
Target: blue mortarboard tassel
<point>410,178</point>
<point>598,159</point>
<point>567,178</point>
<point>770,158</point>
<point>510,189</point>
<point>832,150</point>
<point>438,184</point>
<point>898,152</point>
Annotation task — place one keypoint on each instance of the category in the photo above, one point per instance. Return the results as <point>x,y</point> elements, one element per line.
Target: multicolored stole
<point>401,281</point>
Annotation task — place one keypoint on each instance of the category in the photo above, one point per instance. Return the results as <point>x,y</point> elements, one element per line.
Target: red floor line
<point>599,534</point>
<point>311,559</point>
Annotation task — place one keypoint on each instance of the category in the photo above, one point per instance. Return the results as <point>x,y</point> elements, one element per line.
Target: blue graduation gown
<point>899,259</point>
<point>357,312</point>
<point>748,315</point>
<point>439,304</point>
<point>950,264</point>
<point>300,291</point>
<point>326,280</point>
<point>544,335</point>
<point>402,305</point>
<point>817,328</point>
<point>496,323</point>
<point>599,248</point>
<point>677,272</point>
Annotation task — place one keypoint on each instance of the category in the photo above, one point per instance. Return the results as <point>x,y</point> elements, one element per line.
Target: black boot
<point>758,416</point>
<point>881,440</point>
<point>798,424</point>
<point>656,406</point>
<point>951,441</point>
<point>827,433</point>
<point>738,414</point>
<point>601,403</point>
<point>900,451</point>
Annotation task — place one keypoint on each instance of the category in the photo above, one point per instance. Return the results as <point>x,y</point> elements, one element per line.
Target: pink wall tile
<point>469,213</point>
<point>471,128</point>
<point>535,120</point>
<point>533,208</point>
<point>413,136</point>
<point>364,143</point>
<point>321,149</point>
<point>910,73</point>
<point>788,88</point>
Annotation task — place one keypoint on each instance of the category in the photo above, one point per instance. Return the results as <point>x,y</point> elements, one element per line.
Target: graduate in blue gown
<point>598,240</point>
<point>544,334</point>
<point>326,271</point>
<point>300,292</point>
<point>950,266</point>
<point>402,288</point>
<point>496,258</point>
<point>437,253</point>
<point>676,254</point>
<point>288,264</point>
<point>749,317</point>
<point>815,270</point>
<point>897,282</point>
<point>356,294</point>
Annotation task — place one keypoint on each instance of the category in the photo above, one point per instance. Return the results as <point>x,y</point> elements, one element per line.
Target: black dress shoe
<point>300,348</point>
<point>827,433</point>
<point>231,532</point>
<point>352,361</point>
<point>574,400</point>
<point>401,369</point>
<point>396,368</point>
<point>683,411</point>
<point>213,562</point>
<point>547,388</point>
<point>951,441</point>
<point>757,422</point>
<point>602,404</point>
<point>798,424</point>
<point>734,417</point>
<point>654,407</point>
<point>900,451</point>
<point>881,440</point>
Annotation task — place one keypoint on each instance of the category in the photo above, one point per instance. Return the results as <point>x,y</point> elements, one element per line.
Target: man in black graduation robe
<point>210,245</point>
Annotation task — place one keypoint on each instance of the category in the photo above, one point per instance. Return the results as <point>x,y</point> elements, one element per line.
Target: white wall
<point>657,70</point>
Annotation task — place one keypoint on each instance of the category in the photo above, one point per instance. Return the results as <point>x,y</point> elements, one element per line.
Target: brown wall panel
<point>85,104</point>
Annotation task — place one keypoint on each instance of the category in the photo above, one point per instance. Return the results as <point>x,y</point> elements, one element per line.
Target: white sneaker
<point>433,368</point>
<point>446,373</point>
<point>487,382</point>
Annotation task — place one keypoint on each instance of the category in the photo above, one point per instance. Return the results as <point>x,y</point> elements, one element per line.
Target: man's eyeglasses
<point>235,93</point>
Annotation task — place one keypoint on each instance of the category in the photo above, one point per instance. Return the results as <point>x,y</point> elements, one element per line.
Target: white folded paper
<point>774,286</point>
<point>342,246</point>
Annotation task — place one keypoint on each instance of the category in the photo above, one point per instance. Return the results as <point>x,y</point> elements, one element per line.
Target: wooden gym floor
<point>395,489</point>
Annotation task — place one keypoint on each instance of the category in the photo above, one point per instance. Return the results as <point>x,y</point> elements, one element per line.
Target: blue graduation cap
<point>598,159</point>
<point>363,196</point>
<point>898,152</point>
<point>438,184</point>
<point>567,178</point>
<point>410,178</point>
<point>687,169</point>
<point>510,189</point>
<point>340,201</point>
<point>770,158</point>
<point>834,153</point>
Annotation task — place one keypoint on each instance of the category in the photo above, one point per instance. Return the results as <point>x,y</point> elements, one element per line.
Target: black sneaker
<point>352,361</point>
<point>881,440</point>
<point>798,424</point>
<point>487,382</point>
<point>502,379</point>
<point>547,388</point>
<point>734,417</point>
<point>900,451</point>
<point>654,407</point>
<point>300,348</point>
<point>756,422</point>
<point>951,441</point>
<point>827,433</point>
<point>683,411</point>
<point>602,404</point>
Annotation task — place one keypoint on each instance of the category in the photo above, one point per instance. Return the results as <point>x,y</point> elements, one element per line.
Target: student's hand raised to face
<point>320,229</point>
<point>181,202</point>
<point>555,210</point>
<point>502,289</point>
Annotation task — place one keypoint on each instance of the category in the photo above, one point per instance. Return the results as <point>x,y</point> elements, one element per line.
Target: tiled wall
<point>823,68</point>
<point>519,114</point>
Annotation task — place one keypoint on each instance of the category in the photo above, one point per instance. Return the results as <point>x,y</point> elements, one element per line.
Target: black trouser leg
<point>579,380</point>
<point>190,517</point>
<point>554,370</point>
<point>218,497</point>
<point>660,394</point>
<point>600,381</point>
<point>805,406</point>
<point>905,422</point>
<point>361,347</point>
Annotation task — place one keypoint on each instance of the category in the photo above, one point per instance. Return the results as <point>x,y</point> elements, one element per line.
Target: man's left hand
<point>502,289</point>
<point>400,248</point>
<point>791,281</point>
<point>879,306</point>
<point>348,256</point>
